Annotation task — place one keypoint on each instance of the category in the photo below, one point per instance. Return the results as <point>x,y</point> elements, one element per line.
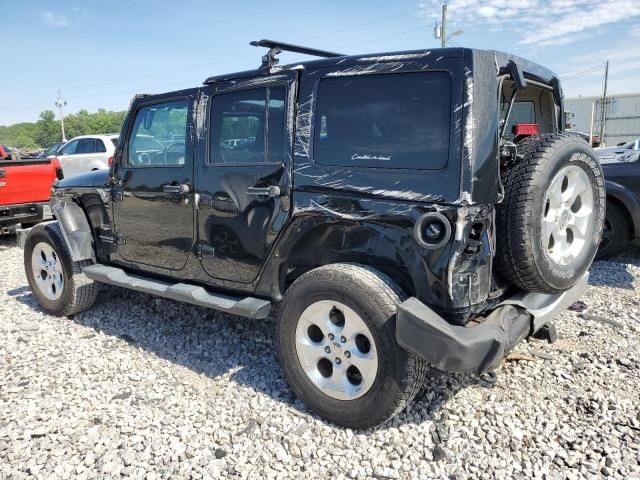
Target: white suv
<point>86,153</point>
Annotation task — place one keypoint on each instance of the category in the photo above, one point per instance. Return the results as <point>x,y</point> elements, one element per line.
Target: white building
<point>622,113</point>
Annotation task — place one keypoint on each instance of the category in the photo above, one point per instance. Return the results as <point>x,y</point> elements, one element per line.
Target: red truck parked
<point>25,188</point>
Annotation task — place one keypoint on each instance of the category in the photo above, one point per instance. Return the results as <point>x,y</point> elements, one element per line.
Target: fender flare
<point>628,200</point>
<point>75,228</point>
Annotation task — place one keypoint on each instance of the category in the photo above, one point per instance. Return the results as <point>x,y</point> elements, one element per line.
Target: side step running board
<point>183,292</point>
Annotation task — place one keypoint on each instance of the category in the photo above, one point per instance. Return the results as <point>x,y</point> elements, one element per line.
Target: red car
<point>25,188</point>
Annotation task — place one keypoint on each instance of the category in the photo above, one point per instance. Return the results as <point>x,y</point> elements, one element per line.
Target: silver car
<point>623,152</point>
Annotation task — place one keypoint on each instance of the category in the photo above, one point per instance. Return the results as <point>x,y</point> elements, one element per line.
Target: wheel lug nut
<point>347,354</point>
<point>338,361</point>
<point>330,336</point>
<point>343,339</point>
<point>327,349</point>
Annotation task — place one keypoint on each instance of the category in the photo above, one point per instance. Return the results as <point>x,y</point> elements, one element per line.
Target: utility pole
<point>440,31</point>
<point>603,118</point>
<point>61,103</point>
<point>443,32</point>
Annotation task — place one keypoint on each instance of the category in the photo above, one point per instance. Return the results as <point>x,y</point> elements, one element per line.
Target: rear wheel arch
<point>348,242</point>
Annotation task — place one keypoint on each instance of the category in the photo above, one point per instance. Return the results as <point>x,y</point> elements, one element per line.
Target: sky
<point>99,54</point>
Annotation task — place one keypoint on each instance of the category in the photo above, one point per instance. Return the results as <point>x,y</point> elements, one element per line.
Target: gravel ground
<point>149,388</point>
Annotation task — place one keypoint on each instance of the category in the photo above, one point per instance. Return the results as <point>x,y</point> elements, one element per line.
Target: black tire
<point>521,258</point>
<point>616,234</point>
<point>374,297</point>
<point>79,292</point>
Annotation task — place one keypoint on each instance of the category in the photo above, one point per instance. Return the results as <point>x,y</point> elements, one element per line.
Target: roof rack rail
<point>275,47</point>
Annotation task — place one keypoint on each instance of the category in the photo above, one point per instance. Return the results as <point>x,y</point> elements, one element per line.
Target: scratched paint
<point>396,58</point>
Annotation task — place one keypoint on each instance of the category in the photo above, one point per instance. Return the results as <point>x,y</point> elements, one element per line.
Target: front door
<point>72,157</point>
<point>153,211</point>
<point>242,179</point>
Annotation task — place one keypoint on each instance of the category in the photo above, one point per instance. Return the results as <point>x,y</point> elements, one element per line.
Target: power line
<point>584,73</point>
<point>383,38</point>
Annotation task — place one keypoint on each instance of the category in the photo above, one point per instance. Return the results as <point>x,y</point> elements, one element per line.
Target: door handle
<point>181,189</point>
<point>272,191</point>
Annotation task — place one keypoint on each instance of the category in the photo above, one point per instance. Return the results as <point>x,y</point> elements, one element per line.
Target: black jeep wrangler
<point>402,211</point>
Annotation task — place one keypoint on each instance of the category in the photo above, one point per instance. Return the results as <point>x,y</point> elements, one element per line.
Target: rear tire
<point>55,279</point>
<point>616,234</point>
<point>317,365</point>
<point>551,219</point>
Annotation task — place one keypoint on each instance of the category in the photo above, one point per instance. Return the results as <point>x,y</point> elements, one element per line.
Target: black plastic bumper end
<point>452,348</point>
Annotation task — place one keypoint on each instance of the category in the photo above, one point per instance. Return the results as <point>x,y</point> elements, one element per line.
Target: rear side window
<point>248,126</point>
<point>100,148</point>
<point>86,145</point>
<point>387,121</point>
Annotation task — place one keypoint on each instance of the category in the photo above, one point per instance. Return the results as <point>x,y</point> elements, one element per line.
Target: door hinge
<point>204,250</point>
<point>106,235</point>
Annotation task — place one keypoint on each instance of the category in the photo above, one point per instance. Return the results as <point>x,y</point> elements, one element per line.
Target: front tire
<point>55,279</point>
<point>337,346</point>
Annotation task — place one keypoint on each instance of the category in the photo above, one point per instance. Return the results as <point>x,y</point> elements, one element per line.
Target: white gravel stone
<point>147,388</point>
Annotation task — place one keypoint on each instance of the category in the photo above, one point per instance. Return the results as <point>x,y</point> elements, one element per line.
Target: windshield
<point>53,149</point>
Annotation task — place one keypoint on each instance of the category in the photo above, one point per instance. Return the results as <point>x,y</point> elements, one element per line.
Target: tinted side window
<point>100,148</point>
<point>86,145</point>
<point>248,126</point>
<point>151,144</point>
<point>389,121</point>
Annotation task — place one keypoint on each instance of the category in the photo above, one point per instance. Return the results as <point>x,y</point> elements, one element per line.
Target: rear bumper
<point>479,348</point>
<point>21,213</point>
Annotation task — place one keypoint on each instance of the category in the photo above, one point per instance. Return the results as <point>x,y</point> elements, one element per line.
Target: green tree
<point>47,129</point>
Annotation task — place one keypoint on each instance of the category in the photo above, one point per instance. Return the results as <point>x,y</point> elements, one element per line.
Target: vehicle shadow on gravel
<point>8,241</point>
<point>215,345</point>
<point>614,272</point>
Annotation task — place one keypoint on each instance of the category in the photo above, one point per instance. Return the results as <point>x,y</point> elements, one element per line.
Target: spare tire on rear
<point>551,218</point>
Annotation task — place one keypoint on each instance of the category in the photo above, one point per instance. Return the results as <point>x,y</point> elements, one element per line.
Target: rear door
<point>98,159</point>
<point>242,174</point>
<point>152,201</point>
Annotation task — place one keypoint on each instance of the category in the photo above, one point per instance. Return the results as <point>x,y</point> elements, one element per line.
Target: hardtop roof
<point>529,68</point>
